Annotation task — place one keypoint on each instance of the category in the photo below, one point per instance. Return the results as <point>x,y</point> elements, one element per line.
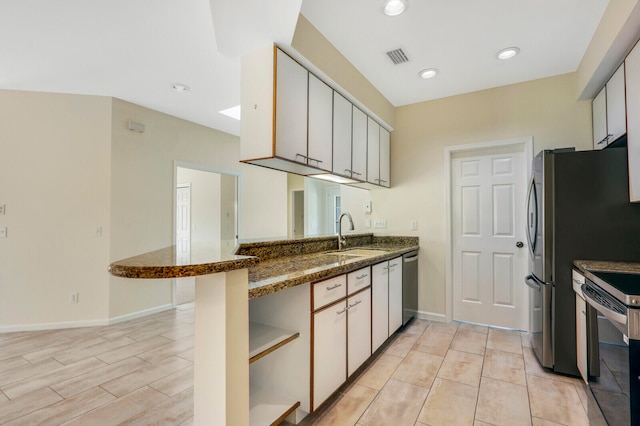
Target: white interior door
<point>489,259</point>
<point>185,287</point>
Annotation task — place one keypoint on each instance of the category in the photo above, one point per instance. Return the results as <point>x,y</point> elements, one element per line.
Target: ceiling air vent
<point>397,56</point>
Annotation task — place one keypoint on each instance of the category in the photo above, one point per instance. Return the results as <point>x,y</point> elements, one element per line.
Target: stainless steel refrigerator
<point>578,208</point>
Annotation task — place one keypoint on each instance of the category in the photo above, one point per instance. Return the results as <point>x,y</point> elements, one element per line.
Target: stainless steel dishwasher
<point>409,286</point>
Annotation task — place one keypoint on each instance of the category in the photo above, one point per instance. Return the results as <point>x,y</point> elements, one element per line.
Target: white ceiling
<point>135,49</point>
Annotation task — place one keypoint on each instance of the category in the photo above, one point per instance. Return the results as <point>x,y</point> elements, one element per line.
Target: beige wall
<point>71,166</point>
<point>545,109</point>
<point>54,181</point>
<point>142,193</point>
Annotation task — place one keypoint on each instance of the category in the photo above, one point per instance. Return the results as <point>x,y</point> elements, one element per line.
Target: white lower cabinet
<point>379,304</point>
<point>329,351</point>
<point>358,330</point>
<point>395,294</point>
<point>386,305</point>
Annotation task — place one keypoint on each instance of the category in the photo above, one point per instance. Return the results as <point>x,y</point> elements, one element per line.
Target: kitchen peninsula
<point>277,278</point>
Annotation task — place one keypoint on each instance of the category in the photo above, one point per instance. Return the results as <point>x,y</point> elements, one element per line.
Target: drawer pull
<point>334,287</point>
<point>362,276</point>
<point>357,303</point>
<point>393,265</point>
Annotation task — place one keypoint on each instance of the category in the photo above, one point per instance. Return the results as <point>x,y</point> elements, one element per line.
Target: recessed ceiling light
<point>394,7</point>
<point>428,73</point>
<point>178,87</point>
<point>508,53</point>
<point>233,112</point>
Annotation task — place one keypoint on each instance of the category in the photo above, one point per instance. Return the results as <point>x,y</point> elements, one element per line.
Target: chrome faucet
<point>342,240</point>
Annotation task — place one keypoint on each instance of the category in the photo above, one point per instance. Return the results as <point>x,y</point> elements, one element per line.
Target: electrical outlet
<point>2,209</point>
<point>380,224</point>
<point>98,231</point>
<point>74,297</point>
<point>366,207</point>
<point>414,225</point>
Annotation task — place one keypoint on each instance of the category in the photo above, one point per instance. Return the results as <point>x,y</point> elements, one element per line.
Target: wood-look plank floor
<point>138,372</point>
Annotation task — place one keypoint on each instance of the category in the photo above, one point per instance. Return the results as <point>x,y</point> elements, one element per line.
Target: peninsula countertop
<point>272,265</point>
<point>162,263</point>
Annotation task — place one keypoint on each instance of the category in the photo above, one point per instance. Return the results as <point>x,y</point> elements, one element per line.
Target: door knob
<point>519,244</point>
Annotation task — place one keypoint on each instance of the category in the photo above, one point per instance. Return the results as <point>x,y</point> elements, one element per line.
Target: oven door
<point>613,388</point>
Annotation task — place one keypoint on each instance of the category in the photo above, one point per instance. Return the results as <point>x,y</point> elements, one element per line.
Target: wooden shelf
<point>264,339</point>
<point>266,408</point>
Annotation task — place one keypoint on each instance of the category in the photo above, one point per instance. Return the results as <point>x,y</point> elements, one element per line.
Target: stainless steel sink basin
<point>357,252</point>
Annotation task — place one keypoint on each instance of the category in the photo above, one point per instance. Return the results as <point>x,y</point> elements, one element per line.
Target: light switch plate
<point>2,209</point>
<point>380,224</point>
<point>3,232</point>
<point>366,207</point>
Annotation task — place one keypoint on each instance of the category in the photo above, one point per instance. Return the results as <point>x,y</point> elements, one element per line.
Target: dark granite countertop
<point>272,265</point>
<point>162,263</point>
<point>608,266</point>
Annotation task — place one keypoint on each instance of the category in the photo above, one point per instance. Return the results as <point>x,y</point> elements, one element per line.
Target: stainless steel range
<point>616,297</point>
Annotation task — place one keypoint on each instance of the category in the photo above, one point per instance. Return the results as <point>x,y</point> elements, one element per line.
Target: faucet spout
<point>342,241</point>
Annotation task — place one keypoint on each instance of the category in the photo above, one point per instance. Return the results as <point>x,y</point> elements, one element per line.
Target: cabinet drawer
<point>328,291</point>
<point>359,279</point>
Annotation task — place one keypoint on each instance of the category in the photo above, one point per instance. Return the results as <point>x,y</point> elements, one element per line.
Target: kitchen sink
<point>357,252</point>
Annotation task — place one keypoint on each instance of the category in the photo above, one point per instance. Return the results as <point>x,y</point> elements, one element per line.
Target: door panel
<point>488,200</point>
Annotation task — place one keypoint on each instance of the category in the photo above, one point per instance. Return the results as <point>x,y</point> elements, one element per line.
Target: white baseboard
<point>89,323</point>
<point>431,316</point>
<point>52,325</point>
<point>139,314</point>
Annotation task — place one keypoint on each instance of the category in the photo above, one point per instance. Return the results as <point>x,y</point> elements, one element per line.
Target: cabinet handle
<point>342,311</point>
<point>362,276</point>
<point>307,158</point>
<point>382,181</point>
<point>393,265</point>
<point>605,139</point>
<point>356,173</point>
<point>334,287</point>
<point>357,303</point>
<point>348,171</point>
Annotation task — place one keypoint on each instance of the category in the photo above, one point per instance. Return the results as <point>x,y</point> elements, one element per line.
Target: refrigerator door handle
<point>532,282</point>
<point>531,223</point>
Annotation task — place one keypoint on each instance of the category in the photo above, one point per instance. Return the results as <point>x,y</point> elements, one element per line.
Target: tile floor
<point>140,372</point>
<point>458,374</point>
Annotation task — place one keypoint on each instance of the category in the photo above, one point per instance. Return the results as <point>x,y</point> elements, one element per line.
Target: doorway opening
<point>206,211</point>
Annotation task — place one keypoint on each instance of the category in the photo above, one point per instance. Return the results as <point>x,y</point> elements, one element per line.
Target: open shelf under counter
<point>268,408</point>
<point>264,339</point>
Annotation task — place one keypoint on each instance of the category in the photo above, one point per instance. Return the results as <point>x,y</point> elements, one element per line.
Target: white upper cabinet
<point>359,147</point>
<point>609,111</point>
<point>295,122</point>
<point>632,65</point>
<point>342,111</point>
<point>616,109</point>
<point>385,151</point>
<point>320,124</point>
<point>291,109</point>
<point>373,152</point>
<point>599,120</point>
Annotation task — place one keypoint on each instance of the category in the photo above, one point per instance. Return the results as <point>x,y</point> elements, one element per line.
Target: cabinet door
<point>320,124</point>
<point>395,294</point>
<point>599,119</point>
<point>385,158</point>
<point>616,109</point>
<point>342,110</point>
<point>379,304</point>
<point>291,109</point>
<point>581,336</point>
<point>358,330</point>
<point>373,151</point>
<point>329,351</point>
<point>632,78</point>
<point>359,147</point>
